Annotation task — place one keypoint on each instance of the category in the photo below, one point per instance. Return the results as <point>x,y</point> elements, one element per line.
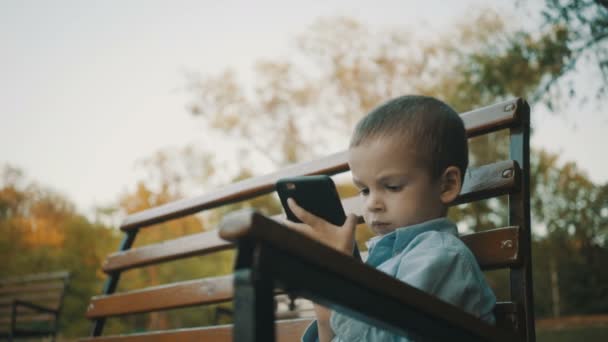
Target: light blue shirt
<point>428,256</point>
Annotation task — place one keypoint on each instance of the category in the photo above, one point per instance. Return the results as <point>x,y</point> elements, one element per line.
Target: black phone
<point>317,194</point>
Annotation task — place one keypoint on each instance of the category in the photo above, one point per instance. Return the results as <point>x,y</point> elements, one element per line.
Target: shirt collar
<point>400,237</point>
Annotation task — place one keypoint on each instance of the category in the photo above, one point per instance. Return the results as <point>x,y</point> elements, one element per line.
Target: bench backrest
<point>30,304</point>
<point>504,247</point>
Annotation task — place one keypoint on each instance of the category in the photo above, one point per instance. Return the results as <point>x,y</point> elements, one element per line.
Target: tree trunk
<point>554,287</point>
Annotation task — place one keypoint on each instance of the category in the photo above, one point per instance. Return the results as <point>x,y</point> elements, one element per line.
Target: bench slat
<point>235,192</point>
<point>35,298</point>
<point>286,331</point>
<point>31,288</point>
<point>34,277</point>
<point>480,182</point>
<point>183,294</point>
<point>477,122</point>
<point>494,248</point>
<point>190,245</point>
<point>25,332</point>
<point>493,118</point>
<point>21,310</point>
<point>52,304</point>
<point>29,318</point>
<point>489,181</point>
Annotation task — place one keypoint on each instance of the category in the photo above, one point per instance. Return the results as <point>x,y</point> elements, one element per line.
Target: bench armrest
<point>296,262</point>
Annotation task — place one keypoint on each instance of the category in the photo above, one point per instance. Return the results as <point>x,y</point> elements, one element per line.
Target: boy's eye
<point>393,187</point>
<point>364,191</point>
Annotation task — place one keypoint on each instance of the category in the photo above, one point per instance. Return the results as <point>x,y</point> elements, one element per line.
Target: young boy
<point>408,158</point>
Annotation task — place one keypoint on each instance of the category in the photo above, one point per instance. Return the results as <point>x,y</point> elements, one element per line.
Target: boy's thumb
<point>351,222</point>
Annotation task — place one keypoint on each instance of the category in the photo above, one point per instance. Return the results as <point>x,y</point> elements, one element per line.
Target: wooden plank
<point>476,122</point>
<point>41,287</point>
<point>22,310</point>
<point>35,277</point>
<point>218,333</point>
<point>494,117</point>
<point>18,333</point>
<point>52,304</point>
<point>236,192</point>
<point>287,331</point>
<point>194,244</point>
<point>495,248</point>
<point>36,298</point>
<point>480,182</point>
<point>29,318</point>
<point>489,181</point>
<point>177,295</point>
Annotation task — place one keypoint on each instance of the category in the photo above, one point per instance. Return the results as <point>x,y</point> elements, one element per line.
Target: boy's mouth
<point>378,225</point>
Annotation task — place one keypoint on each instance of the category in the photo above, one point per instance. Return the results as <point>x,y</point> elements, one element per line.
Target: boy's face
<point>396,188</point>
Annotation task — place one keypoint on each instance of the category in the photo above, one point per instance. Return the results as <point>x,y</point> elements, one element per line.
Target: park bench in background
<point>30,304</point>
<point>272,259</point>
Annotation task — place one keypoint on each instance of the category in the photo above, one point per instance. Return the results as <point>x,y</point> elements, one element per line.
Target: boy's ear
<point>451,184</point>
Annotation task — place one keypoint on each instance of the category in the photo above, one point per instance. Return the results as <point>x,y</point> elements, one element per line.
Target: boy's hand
<point>340,238</point>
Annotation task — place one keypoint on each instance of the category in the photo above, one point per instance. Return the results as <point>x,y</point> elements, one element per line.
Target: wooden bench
<point>271,259</point>
<point>30,305</point>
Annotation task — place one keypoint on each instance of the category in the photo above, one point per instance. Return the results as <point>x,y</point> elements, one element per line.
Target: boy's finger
<point>351,222</point>
<point>301,213</point>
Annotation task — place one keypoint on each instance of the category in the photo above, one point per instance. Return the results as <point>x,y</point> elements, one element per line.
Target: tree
<point>296,111</point>
<point>541,64</point>
<point>40,231</point>
<point>586,22</point>
<point>574,212</point>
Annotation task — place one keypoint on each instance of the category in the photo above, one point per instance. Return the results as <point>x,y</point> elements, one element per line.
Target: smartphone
<point>316,194</point>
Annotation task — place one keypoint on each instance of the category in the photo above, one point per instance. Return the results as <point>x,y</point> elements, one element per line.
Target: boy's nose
<point>374,204</point>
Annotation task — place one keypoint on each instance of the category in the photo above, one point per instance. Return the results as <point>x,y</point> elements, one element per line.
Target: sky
<point>88,88</point>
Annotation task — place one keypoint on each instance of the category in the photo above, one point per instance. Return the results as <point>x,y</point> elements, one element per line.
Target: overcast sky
<point>87,88</point>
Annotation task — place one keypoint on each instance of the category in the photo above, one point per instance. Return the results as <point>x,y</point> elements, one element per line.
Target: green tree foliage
<point>539,63</point>
<point>586,22</point>
<point>40,231</point>
<point>516,64</point>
